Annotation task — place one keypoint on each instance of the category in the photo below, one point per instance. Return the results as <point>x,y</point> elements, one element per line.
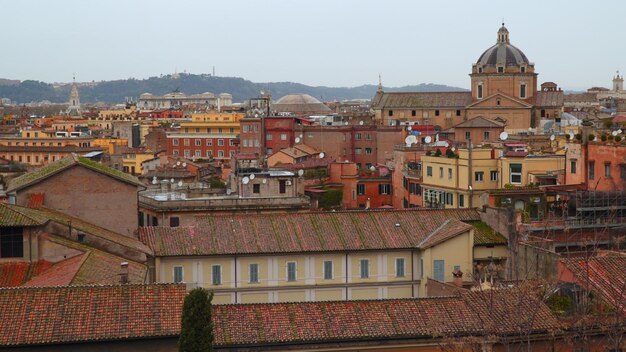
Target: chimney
<point>124,273</point>
<point>458,278</point>
<point>367,203</point>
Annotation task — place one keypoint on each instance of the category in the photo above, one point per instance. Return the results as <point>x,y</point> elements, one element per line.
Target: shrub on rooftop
<point>578,136</point>
<point>603,138</point>
<point>618,138</point>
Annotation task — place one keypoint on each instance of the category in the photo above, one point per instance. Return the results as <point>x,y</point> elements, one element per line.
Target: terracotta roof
<point>63,164</point>
<point>13,274</point>
<point>60,274</point>
<point>13,215</point>
<point>549,99</point>
<point>49,149</point>
<point>55,315</point>
<point>480,122</point>
<point>581,98</point>
<point>418,100</point>
<point>448,230</point>
<point>485,235</point>
<point>306,232</point>
<point>495,312</point>
<point>606,275</point>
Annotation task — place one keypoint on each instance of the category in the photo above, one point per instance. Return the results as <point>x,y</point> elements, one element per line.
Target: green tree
<point>196,330</point>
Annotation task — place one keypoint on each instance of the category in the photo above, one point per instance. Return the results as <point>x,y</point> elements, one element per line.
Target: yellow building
<point>212,123</point>
<point>460,182</point>
<point>109,144</point>
<point>133,158</point>
<point>316,256</point>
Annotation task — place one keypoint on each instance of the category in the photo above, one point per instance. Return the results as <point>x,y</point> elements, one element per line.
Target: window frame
<point>327,272</point>
<point>291,271</point>
<point>216,280</point>
<point>253,275</point>
<point>364,268</point>
<point>400,269</point>
<point>182,274</point>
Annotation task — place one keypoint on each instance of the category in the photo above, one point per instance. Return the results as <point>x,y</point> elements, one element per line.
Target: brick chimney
<point>458,278</point>
<point>124,273</point>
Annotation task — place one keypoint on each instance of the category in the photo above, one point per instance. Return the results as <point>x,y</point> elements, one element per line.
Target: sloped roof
<point>549,99</point>
<point>485,235</point>
<point>54,315</point>
<point>63,164</point>
<point>13,215</point>
<point>61,273</point>
<point>498,312</point>
<point>606,275</point>
<point>300,103</point>
<point>307,232</point>
<point>480,122</point>
<point>581,98</point>
<point>13,274</point>
<point>418,100</point>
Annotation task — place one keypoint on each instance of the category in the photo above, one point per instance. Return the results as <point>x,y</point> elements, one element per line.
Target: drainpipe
<point>346,276</point>
<point>469,173</point>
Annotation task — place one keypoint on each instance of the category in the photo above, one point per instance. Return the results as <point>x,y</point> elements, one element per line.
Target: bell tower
<point>618,83</point>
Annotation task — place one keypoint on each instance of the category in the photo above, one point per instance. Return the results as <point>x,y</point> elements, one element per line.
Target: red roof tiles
<point>305,232</point>
<point>89,313</point>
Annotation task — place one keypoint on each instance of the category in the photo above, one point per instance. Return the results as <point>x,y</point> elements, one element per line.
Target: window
<point>209,153</point>
<point>291,271</point>
<point>622,171</point>
<point>360,189</point>
<point>436,112</point>
<point>174,221</point>
<point>390,112</point>
<point>479,176</point>
<point>187,153</point>
<point>479,91</point>
<point>198,153</point>
<point>357,151</point>
<point>11,242</point>
<point>231,130</point>
<point>421,268</point>
<point>220,131</point>
<point>368,151</point>
<point>231,142</point>
<point>592,170</point>
<point>449,173</point>
<point>607,170</point>
<point>175,152</point>
<point>220,153</point>
<point>283,136</point>
<point>468,135</point>
<point>365,268</point>
<point>500,69</point>
<point>357,136</point>
<point>328,270</point>
<point>438,270</point>
<point>543,113</point>
<point>522,90</point>
<point>486,135</point>
<point>175,141</point>
<point>256,188</point>
<point>572,166</point>
<point>399,267</point>
<point>209,142</point>
<point>368,136</point>
<point>254,273</point>
<point>220,142</point>
<point>282,186</point>
<point>516,174</point>
<point>268,136</point>
<point>244,128</point>
<point>461,200</point>
<point>216,274</point>
<point>178,274</point>
<point>522,69</point>
<point>498,102</point>
<point>245,142</point>
<point>429,171</point>
<point>197,142</point>
<point>441,172</point>
<point>458,113</point>
<point>186,142</point>
<point>493,175</point>
<point>413,113</point>
<point>384,189</point>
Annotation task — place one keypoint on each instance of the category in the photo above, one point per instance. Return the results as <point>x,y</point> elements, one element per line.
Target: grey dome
<point>300,104</point>
<point>503,53</point>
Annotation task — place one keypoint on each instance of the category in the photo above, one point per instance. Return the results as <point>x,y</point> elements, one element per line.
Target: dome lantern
<point>503,35</point>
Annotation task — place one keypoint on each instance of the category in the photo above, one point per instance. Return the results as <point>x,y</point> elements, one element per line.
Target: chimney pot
<point>123,272</point>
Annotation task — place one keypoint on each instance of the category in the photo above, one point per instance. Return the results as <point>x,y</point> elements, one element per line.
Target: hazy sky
<point>577,44</point>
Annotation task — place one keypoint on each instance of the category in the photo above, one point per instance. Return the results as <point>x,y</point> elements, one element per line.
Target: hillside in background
<point>241,89</point>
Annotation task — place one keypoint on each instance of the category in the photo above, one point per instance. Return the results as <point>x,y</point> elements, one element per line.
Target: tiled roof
<point>480,122</point>
<point>12,215</point>
<point>55,315</point>
<point>305,232</point>
<point>605,275</point>
<point>13,274</point>
<point>60,274</point>
<point>485,235</point>
<point>449,229</point>
<point>94,230</point>
<point>423,100</point>
<point>495,312</point>
<point>581,97</point>
<point>549,99</point>
<point>63,164</point>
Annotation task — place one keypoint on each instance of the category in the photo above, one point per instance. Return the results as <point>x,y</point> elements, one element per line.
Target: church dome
<point>300,104</point>
<point>503,53</point>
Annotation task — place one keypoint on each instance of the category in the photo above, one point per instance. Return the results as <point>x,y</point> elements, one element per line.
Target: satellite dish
<point>297,139</point>
<point>264,181</point>
<point>184,164</point>
<point>300,136</point>
<point>345,123</point>
<point>322,155</point>
<point>155,181</point>
<point>552,137</point>
<point>372,168</point>
<point>228,192</point>
<point>178,163</point>
<point>428,139</point>
<point>504,136</point>
<point>245,180</point>
<point>530,129</point>
<point>180,183</point>
<point>172,180</point>
<point>614,133</point>
<point>300,172</point>
<point>408,128</point>
<point>571,135</point>
<point>411,139</point>
<point>252,176</point>
<point>361,123</point>
<point>453,149</point>
<point>256,115</point>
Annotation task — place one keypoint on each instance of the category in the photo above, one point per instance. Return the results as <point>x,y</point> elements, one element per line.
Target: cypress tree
<point>196,330</point>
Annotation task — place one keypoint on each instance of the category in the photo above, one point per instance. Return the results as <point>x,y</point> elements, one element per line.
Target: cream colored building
<point>460,182</point>
<point>316,256</point>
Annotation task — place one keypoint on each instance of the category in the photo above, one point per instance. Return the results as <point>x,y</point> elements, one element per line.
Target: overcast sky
<point>577,44</point>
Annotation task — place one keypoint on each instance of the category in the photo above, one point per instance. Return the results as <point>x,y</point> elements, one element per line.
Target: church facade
<point>503,89</point>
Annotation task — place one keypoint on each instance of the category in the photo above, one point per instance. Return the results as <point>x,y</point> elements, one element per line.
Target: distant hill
<point>241,89</point>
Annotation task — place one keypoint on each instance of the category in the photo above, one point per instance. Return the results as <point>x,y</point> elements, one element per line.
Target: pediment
<point>506,101</point>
